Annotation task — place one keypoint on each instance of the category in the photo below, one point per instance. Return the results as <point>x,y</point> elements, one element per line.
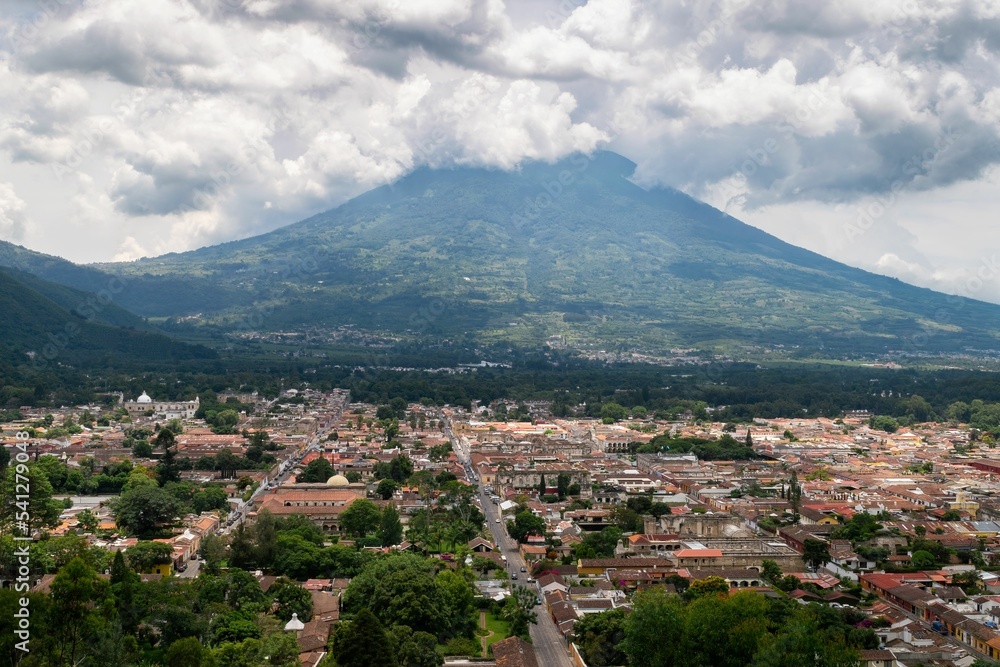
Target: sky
<point>865,130</point>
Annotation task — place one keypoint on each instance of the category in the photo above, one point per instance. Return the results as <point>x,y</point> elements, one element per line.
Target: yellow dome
<point>338,480</point>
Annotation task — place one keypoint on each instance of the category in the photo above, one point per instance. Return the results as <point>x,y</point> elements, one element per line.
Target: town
<point>554,521</point>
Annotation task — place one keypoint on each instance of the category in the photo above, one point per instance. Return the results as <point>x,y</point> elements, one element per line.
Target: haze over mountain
<point>572,249</point>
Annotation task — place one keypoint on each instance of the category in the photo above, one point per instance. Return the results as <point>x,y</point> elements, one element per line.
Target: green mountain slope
<point>98,308</point>
<point>572,249</point>
<point>37,330</point>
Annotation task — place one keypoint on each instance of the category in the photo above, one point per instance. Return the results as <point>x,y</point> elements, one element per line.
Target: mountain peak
<point>570,250</point>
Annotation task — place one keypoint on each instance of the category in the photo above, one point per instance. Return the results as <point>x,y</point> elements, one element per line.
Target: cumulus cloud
<point>195,121</point>
<point>13,214</point>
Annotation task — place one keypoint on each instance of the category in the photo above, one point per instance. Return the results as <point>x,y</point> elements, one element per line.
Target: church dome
<point>144,398</point>
<point>338,480</point>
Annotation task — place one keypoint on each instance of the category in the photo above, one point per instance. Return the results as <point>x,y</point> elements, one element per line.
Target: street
<point>239,511</point>
<point>191,571</point>
<point>550,648</point>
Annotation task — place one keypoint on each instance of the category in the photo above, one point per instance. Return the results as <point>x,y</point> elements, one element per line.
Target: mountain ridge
<point>39,330</point>
<point>572,251</point>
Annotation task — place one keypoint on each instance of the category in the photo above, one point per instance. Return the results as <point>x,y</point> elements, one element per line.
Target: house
<point>533,553</point>
<point>514,652</point>
<point>698,557</point>
<point>877,658</point>
<point>599,566</point>
<point>552,582</point>
<point>321,503</point>
<point>480,545</point>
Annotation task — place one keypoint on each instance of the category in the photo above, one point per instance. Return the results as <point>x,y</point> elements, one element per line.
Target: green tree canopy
<point>142,557</point>
<point>316,472</point>
<point>362,642</point>
<point>525,523</point>
<point>360,518</point>
<point>140,510</point>
<point>390,531</point>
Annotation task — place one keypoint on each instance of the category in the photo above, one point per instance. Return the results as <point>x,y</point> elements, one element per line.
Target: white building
<point>144,405</point>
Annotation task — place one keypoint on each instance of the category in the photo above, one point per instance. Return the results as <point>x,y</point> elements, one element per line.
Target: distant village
<point>902,526</point>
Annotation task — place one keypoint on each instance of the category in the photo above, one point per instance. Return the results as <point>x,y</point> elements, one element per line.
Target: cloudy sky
<point>866,130</point>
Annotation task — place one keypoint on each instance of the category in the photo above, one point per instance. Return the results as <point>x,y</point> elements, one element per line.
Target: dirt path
<point>484,639</point>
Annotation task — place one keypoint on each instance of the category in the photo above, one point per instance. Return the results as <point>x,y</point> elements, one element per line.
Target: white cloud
<point>162,125</point>
<point>13,214</point>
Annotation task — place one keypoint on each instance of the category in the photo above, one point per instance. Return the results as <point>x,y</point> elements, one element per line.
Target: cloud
<point>130,250</point>
<point>197,121</point>
<point>14,221</point>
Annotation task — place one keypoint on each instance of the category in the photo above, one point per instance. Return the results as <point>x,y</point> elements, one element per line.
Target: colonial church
<point>142,406</point>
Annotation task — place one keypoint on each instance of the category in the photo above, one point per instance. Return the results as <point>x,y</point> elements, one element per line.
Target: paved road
<point>239,512</point>
<point>193,567</point>
<point>548,641</point>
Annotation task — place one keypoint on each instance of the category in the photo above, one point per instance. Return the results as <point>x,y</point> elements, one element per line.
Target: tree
<point>815,553</point>
<point>923,559</point>
<point>883,423</point>
<point>386,488</point>
<point>626,519</point>
<point>165,439</point>
<point>802,642</point>
<point>213,551</point>
<point>598,637</point>
<point>187,652</point>
<point>211,498</point>
<point>390,530</point>
<point>613,411</point>
<point>708,587</point>
<point>74,590</point>
<point>142,557</point>
<point>41,509</point>
<point>316,472</point>
<point>744,615</point>
<point>770,571</point>
<point>225,421</point>
<point>167,470</point>
<point>140,510</point>
<point>361,642</point>
<point>415,649</point>
<point>562,485</point>
<point>794,492</point>
<point>541,485</point>
<point>654,629</point>
<point>291,598</point>
<point>120,572</point>
<point>142,449</point>
<point>242,550</point>
<point>242,591</point>
<point>525,523</point>
<point>227,464</point>
<point>400,468</point>
<point>401,589</point>
<point>970,581</point>
<point>360,518</point>
<point>519,611</point>
<point>139,476</point>
<point>87,521</point>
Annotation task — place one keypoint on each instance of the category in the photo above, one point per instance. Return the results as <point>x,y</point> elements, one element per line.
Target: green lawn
<point>498,626</point>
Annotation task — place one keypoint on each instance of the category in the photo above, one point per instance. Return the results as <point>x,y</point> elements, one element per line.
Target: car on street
<point>524,569</point>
